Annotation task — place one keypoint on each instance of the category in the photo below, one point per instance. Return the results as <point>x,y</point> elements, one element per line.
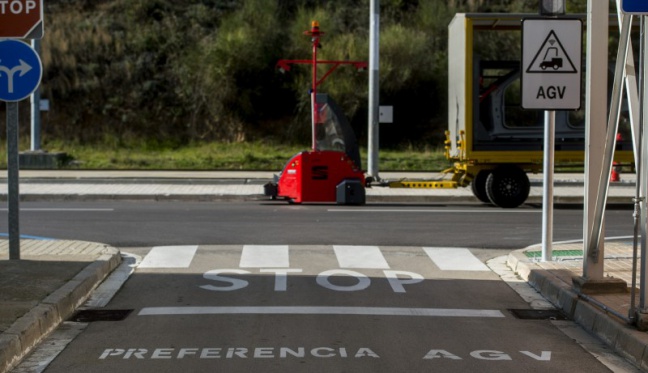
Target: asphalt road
<point>266,286</point>
<point>309,309</point>
<point>133,224</point>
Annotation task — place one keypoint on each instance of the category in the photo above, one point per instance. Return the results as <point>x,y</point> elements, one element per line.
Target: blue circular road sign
<point>20,70</point>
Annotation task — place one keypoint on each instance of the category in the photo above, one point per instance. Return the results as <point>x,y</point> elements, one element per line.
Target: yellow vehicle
<point>491,139</point>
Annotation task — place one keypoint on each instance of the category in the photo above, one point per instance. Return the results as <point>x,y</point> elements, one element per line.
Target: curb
<point>625,340</point>
<point>29,330</point>
<point>136,197</point>
<point>371,198</point>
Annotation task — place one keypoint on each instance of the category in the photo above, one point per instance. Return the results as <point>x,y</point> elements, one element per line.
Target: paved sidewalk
<point>44,288</point>
<point>603,314</point>
<point>246,185</point>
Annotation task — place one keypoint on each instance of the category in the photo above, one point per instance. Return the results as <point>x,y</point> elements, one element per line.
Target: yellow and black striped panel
<point>424,184</point>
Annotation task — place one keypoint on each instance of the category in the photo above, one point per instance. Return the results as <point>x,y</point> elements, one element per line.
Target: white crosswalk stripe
<point>346,256</point>
<point>360,257</point>
<point>453,259</point>
<point>169,257</point>
<point>264,256</point>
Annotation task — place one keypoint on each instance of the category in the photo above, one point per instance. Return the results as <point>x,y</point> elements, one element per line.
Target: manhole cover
<point>527,314</point>
<point>100,315</point>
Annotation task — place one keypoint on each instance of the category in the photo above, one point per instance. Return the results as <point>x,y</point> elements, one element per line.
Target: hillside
<point>179,71</point>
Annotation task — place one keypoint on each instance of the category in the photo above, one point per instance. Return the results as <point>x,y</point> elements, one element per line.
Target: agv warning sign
<point>551,64</point>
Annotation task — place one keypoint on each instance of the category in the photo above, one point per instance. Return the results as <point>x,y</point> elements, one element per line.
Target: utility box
<point>350,192</point>
<point>42,160</point>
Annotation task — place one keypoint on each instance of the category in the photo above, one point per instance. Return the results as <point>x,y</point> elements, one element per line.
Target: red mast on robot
<point>284,65</point>
<point>314,33</point>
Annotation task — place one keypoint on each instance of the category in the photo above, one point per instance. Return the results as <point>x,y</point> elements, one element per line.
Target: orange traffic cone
<point>615,175</point>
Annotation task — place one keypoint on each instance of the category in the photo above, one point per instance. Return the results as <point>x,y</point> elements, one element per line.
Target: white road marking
<point>437,211</point>
<point>451,259</point>
<point>348,256</point>
<point>62,209</point>
<point>357,311</point>
<point>265,256</point>
<point>169,257</point>
<point>369,257</point>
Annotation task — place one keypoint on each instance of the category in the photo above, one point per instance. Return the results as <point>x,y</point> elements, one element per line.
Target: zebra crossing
<point>366,278</point>
<point>346,257</point>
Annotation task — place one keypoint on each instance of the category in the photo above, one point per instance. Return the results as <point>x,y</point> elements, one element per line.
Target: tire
<point>478,186</point>
<point>508,186</point>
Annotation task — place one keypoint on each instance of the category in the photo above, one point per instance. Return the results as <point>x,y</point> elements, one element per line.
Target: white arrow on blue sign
<point>21,70</point>
<point>634,6</point>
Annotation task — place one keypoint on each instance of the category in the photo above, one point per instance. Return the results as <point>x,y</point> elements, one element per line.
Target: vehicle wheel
<point>478,186</point>
<point>508,186</point>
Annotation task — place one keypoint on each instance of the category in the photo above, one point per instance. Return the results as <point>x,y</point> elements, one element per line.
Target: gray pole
<point>612,129</point>
<point>12,176</point>
<point>639,200</point>
<point>374,38</point>
<point>641,175</point>
<point>595,128</point>
<point>35,108</point>
<point>548,184</point>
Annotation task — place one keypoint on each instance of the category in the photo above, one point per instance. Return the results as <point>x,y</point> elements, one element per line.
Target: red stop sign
<point>21,19</point>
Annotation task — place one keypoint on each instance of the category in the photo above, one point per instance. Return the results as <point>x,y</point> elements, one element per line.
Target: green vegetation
<point>176,73</point>
<point>221,156</point>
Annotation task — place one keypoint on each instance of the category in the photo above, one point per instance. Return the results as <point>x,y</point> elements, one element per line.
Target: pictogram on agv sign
<point>552,58</point>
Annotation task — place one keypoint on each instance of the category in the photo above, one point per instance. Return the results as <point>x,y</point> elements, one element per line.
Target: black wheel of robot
<point>478,185</point>
<point>508,186</point>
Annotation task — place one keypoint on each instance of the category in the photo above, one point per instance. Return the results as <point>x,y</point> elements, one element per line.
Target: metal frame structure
<point>284,65</point>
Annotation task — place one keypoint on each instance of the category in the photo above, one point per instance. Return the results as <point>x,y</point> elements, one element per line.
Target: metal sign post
<point>547,185</point>
<point>35,100</point>
<point>551,80</point>
<point>374,88</point>
<point>596,234</point>
<point>12,176</point>
<point>640,8</point>
<point>643,170</point>
<point>22,71</point>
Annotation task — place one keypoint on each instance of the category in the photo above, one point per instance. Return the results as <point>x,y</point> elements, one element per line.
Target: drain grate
<point>527,314</point>
<point>100,315</point>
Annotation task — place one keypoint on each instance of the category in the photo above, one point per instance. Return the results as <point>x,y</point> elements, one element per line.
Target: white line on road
<point>169,257</point>
<point>360,257</point>
<point>358,311</point>
<point>439,211</point>
<point>451,259</point>
<point>265,256</point>
<point>62,209</point>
